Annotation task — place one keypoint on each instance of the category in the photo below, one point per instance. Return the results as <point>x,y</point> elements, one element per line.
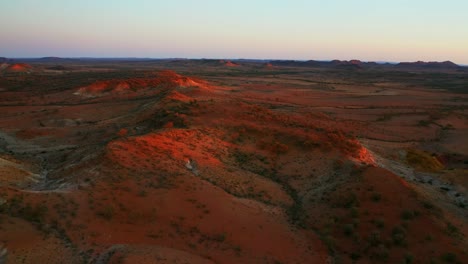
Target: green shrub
<point>427,205</point>
<point>399,236</point>
<point>220,237</point>
<point>452,230</point>
<point>379,223</point>
<point>376,197</point>
<point>355,256</point>
<point>354,212</point>
<point>409,258</point>
<point>409,215</point>
<point>374,239</point>
<point>348,229</point>
<point>449,258</point>
<point>380,253</point>
<point>106,213</point>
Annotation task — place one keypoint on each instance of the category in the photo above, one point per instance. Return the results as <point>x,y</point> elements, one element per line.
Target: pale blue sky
<point>384,30</point>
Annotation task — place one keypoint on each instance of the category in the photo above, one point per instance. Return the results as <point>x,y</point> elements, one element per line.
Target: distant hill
<point>428,65</point>
<point>350,65</point>
<point>339,64</point>
<point>357,64</point>
<point>332,64</point>
<point>55,60</point>
<point>50,58</point>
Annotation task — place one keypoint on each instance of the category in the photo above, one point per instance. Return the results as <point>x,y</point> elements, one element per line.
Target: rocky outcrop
<point>3,254</point>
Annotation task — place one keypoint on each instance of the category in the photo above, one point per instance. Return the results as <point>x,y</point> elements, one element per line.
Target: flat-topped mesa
<point>351,64</point>
<point>340,62</point>
<point>167,78</point>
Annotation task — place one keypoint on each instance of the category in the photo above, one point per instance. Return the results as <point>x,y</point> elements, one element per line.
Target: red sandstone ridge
<point>230,64</point>
<point>19,67</point>
<point>171,78</point>
<point>168,79</point>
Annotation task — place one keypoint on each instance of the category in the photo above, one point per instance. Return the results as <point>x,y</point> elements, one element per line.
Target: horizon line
<point>218,58</point>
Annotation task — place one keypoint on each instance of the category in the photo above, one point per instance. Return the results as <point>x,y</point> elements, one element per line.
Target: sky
<point>369,30</point>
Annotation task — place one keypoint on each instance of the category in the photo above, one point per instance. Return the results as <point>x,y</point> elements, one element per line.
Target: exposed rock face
<point>192,166</point>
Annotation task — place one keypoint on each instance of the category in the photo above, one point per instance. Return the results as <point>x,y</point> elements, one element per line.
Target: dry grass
<point>423,161</point>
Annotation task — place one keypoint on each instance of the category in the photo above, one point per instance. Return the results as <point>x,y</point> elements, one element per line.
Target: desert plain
<point>243,161</point>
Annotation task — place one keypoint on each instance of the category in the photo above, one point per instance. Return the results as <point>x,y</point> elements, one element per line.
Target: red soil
<point>27,244</point>
<point>148,150</point>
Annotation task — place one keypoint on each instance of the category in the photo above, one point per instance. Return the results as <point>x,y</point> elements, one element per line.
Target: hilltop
<point>19,67</point>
